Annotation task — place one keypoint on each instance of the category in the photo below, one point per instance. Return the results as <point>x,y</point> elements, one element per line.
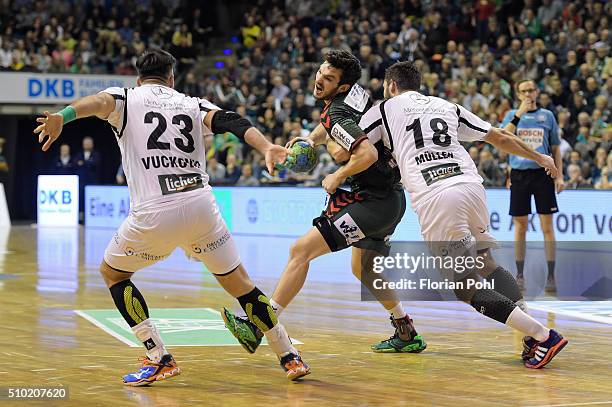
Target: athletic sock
<point>520,264</point>
<point>522,304</point>
<point>133,307</point>
<point>276,307</point>
<point>148,334</point>
<point>279,341</point>
<point>397,312</point>
<point>527,325</point>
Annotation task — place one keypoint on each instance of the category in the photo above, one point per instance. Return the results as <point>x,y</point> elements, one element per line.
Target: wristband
<point>68,113</point>
<point>515,120</point>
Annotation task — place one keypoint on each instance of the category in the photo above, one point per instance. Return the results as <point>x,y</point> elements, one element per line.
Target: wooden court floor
<point>470,361</point>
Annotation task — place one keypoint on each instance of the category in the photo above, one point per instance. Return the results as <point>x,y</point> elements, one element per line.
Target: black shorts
<point>532,182</point>
<point>361,220</point>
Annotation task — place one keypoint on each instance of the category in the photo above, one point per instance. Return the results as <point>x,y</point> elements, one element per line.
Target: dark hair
<point>520,82</point>
<point>348,63</point>
<point>155,63</point>
<point>405,74</point>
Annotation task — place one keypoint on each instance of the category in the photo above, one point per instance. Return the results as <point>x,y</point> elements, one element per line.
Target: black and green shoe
<point>396,345</point>
<point>246,332</point>
<point>414,343</point>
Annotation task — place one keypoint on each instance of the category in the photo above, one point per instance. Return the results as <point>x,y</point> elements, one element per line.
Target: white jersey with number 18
<point>160,133</point>
<point>423,134</point>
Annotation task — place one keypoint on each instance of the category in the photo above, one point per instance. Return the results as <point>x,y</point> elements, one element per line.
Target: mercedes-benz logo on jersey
<point>161,92</point>
<point>252,211</point>
<point>418,98</point>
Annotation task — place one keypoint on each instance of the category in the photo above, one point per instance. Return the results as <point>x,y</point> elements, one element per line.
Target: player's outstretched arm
<point>51,125</point>
<point>506,141</point>
<point>362,157</point>
<point>221,121</point>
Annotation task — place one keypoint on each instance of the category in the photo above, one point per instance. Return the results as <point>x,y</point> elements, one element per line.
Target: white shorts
<point>458,213</point>
<point>194,224</point>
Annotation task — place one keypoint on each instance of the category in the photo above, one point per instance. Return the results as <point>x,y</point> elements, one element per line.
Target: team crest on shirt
<point>541,118</point>
<point>161,92</point>
<point>418,98</point>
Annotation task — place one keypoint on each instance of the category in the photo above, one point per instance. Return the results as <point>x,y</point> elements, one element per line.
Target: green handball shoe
<point>395,344</point>
<point>246,332</point>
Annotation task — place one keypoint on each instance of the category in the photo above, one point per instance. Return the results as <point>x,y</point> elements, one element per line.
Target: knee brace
<point>505,284</point>
<point>258,309</point>
<point>493,305</point>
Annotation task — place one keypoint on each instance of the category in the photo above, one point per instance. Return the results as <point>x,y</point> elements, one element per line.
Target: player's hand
<point>331,183</point>
<point>526,105</point>
<point>296,139</point>
<point>275,155</point>
<point>559,184</point>
<point>50,126</point>
<point>546,162</point>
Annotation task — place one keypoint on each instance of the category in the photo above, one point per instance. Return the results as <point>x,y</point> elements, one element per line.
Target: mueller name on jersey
<point>432,156</point>
<point>174,183</point>
<point>440,172</point>
<point>159,161</point>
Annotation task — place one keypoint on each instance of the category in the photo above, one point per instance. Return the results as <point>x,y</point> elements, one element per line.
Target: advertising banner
<point>288,211</point>
<point>36,88</point>
<point>58,200</point>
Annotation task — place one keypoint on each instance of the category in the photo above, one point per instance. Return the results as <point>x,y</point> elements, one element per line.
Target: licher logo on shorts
<point>174,183</point>
<point>440,172</point>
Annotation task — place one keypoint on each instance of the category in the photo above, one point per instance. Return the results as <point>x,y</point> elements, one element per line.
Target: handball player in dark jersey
<point>364,217</point>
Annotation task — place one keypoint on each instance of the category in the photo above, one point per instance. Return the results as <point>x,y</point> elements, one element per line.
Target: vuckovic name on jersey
<point>158,161</point>
<point>432,156</point>
<point>173,183</point>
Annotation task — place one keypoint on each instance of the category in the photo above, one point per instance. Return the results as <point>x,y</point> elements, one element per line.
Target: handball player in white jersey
<point>446,192</point>
<point>160,133</point>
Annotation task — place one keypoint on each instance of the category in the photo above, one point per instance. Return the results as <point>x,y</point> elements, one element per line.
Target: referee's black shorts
<point>536,182</point>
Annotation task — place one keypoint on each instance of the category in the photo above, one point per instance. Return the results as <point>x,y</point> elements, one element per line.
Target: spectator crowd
<point>470,52</point>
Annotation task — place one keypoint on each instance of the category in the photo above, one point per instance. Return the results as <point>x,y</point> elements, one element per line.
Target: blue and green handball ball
<point>302,157</point>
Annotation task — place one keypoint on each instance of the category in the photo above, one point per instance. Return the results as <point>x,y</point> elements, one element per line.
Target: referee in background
<point>538,128</point>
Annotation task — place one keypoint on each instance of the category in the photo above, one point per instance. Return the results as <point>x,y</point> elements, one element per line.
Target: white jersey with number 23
<point>160,133</point>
